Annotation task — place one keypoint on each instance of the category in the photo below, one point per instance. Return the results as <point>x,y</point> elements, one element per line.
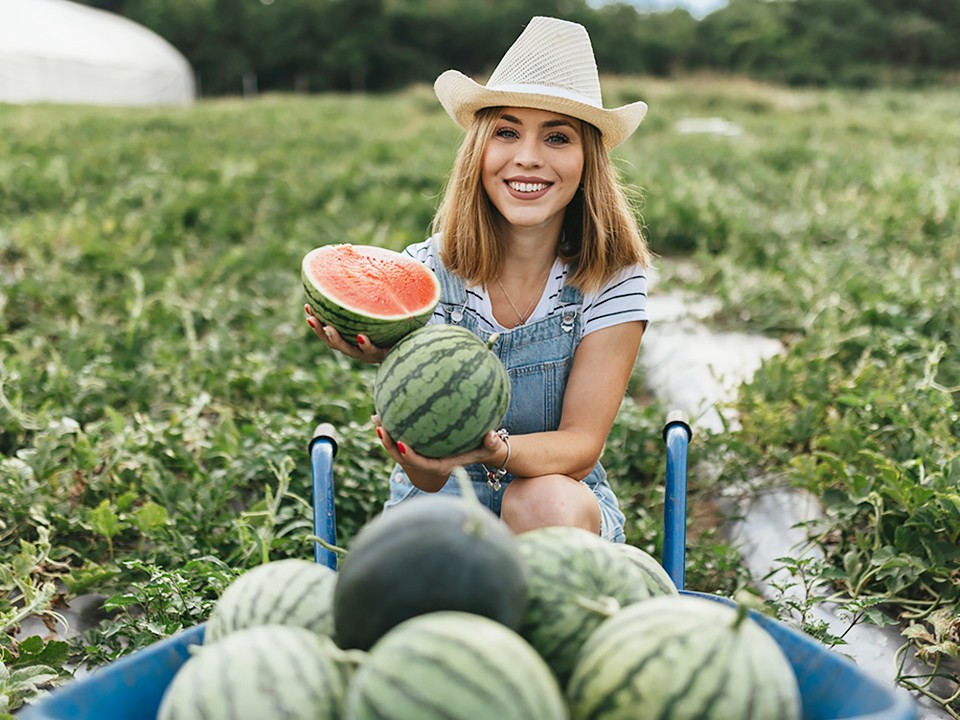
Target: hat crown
<point>554,55</point>
<point>549,67</point>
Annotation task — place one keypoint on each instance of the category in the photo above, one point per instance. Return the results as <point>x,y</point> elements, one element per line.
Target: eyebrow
<point>559,122</point>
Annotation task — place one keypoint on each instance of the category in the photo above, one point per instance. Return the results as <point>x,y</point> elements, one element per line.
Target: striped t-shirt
<point>622,299</point>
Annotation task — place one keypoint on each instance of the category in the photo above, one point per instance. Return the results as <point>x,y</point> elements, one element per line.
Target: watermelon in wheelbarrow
<point>831,687</point>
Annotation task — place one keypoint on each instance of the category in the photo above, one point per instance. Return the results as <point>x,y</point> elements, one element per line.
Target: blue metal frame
<point>677,435</point>
<point>323,449</point>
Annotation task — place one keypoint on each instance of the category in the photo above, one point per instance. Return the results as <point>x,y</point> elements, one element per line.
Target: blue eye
<point>505,132</point>
<point>557,139</point>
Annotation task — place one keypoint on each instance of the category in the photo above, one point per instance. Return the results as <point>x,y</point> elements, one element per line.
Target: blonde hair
<point>601,231</point>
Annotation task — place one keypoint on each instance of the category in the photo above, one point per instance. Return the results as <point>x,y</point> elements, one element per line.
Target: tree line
<point>380,45</point>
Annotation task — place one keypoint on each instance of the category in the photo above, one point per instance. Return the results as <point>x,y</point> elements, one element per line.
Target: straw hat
<point>549,67</point>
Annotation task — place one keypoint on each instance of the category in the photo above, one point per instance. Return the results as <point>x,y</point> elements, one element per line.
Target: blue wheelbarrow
<point>831,686</point>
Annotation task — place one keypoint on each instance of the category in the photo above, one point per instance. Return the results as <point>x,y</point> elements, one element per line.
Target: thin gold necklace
<point>522,316</point>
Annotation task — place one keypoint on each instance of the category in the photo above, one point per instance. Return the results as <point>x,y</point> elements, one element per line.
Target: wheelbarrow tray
<point>831,686</point>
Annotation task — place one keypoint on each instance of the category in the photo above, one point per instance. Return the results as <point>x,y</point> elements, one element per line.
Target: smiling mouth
<point>527,187</point>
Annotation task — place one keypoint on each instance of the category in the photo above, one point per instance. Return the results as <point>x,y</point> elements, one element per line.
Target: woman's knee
<point>548,500</point>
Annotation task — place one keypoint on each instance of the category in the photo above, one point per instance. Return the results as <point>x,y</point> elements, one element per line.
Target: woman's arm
<point>598,380</point>
<point>602,367</point>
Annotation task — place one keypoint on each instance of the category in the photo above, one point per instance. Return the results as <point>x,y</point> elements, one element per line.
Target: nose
<point>528,152</point>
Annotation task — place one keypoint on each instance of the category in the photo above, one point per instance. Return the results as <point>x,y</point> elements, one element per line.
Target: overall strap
<point>569,295</point>
<point>452,291</point>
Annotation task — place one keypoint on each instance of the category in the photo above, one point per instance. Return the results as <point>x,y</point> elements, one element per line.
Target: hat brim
<point>462,98</point>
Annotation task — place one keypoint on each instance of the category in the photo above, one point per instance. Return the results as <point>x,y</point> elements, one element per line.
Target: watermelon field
<point>158,384</point>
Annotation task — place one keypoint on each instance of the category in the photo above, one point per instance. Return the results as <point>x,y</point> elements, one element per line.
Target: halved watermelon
<point>369,290</point>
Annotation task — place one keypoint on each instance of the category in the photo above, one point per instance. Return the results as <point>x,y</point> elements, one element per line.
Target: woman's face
<point>532,165</point>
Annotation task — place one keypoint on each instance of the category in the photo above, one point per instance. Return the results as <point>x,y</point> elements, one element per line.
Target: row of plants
<point>158,385</point>
<point>842,242</point>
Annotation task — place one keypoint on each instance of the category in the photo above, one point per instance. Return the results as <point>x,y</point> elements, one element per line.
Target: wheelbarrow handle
<point>676,434</point>
<point>323,448</point>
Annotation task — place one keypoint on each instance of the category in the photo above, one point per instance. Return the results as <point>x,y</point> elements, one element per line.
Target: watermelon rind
<point>383,331</point>
<point>282,592</point>
<point>655,576</point>
<point>440,390</point>
<point>280,672</point>
<point>454,666</point>
<point>576,581</point>
<point>682,658</point>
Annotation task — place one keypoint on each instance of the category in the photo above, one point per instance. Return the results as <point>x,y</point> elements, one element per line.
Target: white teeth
<point>527,187</point>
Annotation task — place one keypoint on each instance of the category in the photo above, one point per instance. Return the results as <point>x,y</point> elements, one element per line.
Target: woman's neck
<point>529,251</point>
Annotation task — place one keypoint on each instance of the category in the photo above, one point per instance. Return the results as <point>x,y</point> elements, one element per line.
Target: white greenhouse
<point>56,51</point>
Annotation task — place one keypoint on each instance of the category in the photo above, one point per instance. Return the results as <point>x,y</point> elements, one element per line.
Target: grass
<point>158,385</point>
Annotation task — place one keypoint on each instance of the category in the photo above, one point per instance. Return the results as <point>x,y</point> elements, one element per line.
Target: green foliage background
<point>378,45</point>
<point>158,385</point>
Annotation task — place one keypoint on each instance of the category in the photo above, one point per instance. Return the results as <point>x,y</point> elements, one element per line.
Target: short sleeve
<point>425,251</point>
<point>623,299</point>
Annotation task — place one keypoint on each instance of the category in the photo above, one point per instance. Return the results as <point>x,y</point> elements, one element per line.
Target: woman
<point>534,239</point>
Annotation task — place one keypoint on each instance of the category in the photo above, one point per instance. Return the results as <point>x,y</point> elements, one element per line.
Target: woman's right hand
<point>365,351</point>
<point>430,474</point>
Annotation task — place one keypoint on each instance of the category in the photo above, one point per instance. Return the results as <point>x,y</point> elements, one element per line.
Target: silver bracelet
<point>495,476</point>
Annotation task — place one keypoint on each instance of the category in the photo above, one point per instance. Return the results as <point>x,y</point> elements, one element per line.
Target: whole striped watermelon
<point>682,658</point>
<point>454,666</point>
<point>577,580</point>
<point>279,672</point>
<point>369,290</point>
<point>440,390</point>
<point>282,592</point>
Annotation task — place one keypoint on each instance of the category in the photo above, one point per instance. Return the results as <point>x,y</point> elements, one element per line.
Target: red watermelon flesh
<point>369,290</point>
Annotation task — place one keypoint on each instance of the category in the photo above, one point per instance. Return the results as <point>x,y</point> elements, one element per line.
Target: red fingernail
<point>401,448</point>
<point>312,322</point>
<point>380,433</point>
<point>359,340</point>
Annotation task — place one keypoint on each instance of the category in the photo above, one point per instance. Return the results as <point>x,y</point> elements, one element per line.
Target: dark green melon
<point>428,554</point>
<point>440,390</point>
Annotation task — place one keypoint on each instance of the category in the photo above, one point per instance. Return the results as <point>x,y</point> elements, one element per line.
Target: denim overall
<point>538,358</point>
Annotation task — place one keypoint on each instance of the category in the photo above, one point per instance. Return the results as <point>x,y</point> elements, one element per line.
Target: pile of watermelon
<point>438,611</point>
